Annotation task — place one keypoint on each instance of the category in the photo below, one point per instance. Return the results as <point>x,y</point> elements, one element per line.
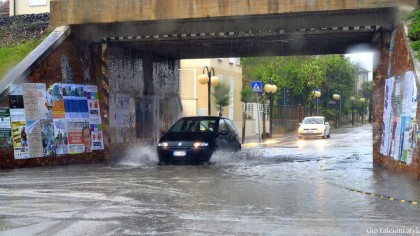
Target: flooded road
<point>297,187</point>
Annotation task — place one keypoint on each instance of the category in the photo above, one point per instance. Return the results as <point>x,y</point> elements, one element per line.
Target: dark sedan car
<point>195,139</point>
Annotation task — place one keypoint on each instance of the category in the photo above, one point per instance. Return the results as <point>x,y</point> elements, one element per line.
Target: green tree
<point>313,74</point>
<point>221,96</point>
<point>367,93</point>
<point>247,96</point>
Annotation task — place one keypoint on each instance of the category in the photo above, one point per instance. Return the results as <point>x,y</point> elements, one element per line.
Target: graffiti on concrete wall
<point>400,132</point>
<point>63,119</point>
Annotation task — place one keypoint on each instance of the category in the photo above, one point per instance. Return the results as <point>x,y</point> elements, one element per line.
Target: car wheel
<point>328,136</point>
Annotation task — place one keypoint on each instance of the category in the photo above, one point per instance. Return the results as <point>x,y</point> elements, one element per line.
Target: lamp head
<point>336,96</point>
<point>214,80</point>
<point>203,79</point>
<point>267,88</point>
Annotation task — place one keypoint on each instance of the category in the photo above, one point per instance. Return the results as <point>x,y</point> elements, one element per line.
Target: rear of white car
<point>314,126</point>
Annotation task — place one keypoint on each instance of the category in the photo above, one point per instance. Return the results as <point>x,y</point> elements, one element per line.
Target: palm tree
<point>221,96</point>
<point>246,97</point>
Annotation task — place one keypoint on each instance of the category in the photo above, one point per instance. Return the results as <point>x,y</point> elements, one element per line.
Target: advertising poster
<point>61,138</point>
<point>17,111</point>
<point>96,137</point>
<point>78,136</point>
<point>33,132</point>
<point>386,130</point>
<point>119,110</point>
<point>35,102</point>
<point>48,140</point>
<point>75,101</point>
<point>93,104</point>
<point>57,101</point>
<point>20,140</point>
<point>5,127</point>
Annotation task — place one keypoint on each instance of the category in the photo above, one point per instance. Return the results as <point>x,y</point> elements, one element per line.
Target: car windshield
<point>195,124</point>
<point>312,120</point>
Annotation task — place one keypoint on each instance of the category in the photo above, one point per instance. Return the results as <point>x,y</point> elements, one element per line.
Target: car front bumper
<point>172,155</point>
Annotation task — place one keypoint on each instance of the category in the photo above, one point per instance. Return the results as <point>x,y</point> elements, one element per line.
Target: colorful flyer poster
<point>96,137</point>
<point>75,101</point>
<point>93,104</point>
<point>20,140</point>
<point>33,132</point>
<point>57,101</point>
<point>61,138</point>
<point>5,127</point>
<point>48,139</point>
<point>41,93</point>
<point>78,136</point>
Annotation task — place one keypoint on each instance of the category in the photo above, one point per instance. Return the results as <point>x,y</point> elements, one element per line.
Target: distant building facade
<point>362,76</point>
<point>22,7</point>
<point>194,95</point>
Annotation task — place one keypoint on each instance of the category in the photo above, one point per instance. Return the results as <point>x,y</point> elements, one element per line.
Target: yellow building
<point>194,96</point>
<point>22,7</point>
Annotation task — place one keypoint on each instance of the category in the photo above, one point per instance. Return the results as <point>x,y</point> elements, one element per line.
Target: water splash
<point>139,156</point>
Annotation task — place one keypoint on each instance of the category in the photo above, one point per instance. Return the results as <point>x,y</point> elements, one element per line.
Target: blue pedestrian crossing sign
<point>256,86</point>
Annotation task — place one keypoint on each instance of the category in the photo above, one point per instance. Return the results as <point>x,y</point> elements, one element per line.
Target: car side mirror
<point>326,123</point>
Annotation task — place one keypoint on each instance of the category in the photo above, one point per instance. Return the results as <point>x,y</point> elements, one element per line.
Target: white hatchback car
<point>314,126</point>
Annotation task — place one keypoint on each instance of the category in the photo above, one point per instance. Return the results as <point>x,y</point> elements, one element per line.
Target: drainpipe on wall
<point>14,7</point>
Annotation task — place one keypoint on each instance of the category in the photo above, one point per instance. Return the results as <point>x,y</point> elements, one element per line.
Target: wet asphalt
<point>284,186</point>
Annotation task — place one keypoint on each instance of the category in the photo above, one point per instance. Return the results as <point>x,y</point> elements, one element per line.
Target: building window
<point>37,3</point>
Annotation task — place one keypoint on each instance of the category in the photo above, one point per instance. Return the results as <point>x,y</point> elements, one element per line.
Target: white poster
<point>60,133</point>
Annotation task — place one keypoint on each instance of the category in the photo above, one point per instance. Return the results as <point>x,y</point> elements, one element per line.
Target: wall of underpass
<point>125,98</point>
<point>396,134</point>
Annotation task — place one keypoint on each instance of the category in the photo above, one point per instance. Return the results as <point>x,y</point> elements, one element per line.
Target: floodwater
<point>299,187</point>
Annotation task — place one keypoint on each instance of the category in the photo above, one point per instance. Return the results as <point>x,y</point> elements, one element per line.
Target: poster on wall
<point>400,129</point>
<point>35,101</point>
<point>386,134</point>
<point>93,104</point>
<point>57,101</point>
<point>97,137</point>
<point>60,133</point>
<point>78,136</point>
<point>119,110</point>
<point>33,133</point>
<point>20,140</point>
<point>17,111</point>
<point>5,127</point>
<point>75,101</point>
<point>49,146</point>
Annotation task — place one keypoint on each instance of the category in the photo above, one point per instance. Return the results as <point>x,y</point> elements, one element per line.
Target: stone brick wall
<point>399,61</point>
<point>71,62</point>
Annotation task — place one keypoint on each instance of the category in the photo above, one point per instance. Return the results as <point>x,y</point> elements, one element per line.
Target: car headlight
<point>163,144</point>
<point>199,144</point>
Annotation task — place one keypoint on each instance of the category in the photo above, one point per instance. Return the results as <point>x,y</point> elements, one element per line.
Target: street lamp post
<point>270,88</point>
<point>362,100</point>
<point>317,94</point>
<point>210,81</point>
<point>352,109</point>
<point>336,97</point>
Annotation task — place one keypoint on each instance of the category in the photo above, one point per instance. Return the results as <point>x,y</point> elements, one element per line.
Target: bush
<point>414,31</point>
<point>415,45</point>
